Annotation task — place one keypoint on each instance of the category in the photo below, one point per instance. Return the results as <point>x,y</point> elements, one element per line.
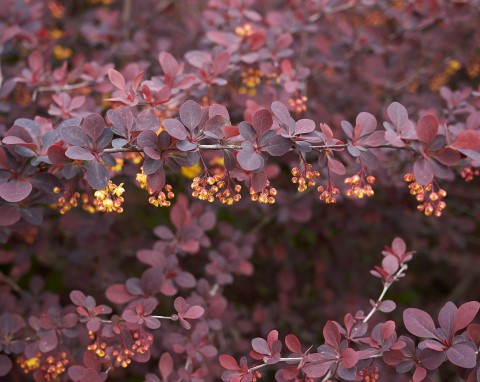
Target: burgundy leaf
<point>427,128</point>
<point>419,323</point>
<point>398,114</point>
<point>431,359</point>
<point>249,159</point>
<point>349,358</point>
<point>228,362</point>
<point>79,153</point>
<point>9,215</point>
<point>423,172</point>
<point>262,121</point>
<point>165,365</point>
<point>467,139</point>
<point>331,334</point>
<point>190,114</point>
<point>5,365</point>
<point>465,315</point>
<point>15,190</point>
<point>293,344</point>
<point>368,123</point>
<point>260,346</point>
<point>117,79</point>
<point>194,312</point>
<point>462,355</point>
<point>97,175</point>
<point>175,128</point>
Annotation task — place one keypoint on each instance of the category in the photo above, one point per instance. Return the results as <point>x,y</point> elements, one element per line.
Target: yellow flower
<point>191,172</point>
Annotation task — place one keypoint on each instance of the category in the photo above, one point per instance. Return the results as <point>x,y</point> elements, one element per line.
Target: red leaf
<point>165,365</point>
<point>467,139</point>
<point>228,362</point>
<point>117,79</point>
<point>194,312</point>
<point>349,358</point>
<point>293,344</point>
<point>427,128</point>
<point>465,315</point>
<point>331,334</point>
<point>118,294</point>
<point>262,121</point>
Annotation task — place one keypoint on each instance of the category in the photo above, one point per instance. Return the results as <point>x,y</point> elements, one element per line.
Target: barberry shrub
<point>168,171</point>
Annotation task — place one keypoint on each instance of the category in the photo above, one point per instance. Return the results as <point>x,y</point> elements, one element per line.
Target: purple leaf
<point>262,121</point>
<point>368,123</point>
<point>93,125</point>
<point>122,120</point>
<point>260,346</point>
<point>15,190</point>
<point>387,306</point>
<point>462,355</point>
<point>175,128</point>
<point>194,312</point>
<point>97,175</point>
<point>331,334</point>
<point>259,181</point>
<point>79,153</point>
<point>349,358</point>
<point>190,114</point>
<point>427,128</point>
<point>293,344</point>
<point>423,172</point>
<point>9,215</point>
<point>278,145</point>
<point>419,323</point>
<point>304,126</point>
<point>117,79</point>
<point>48,341</point>
<point>431,359</point>
<point>5,365</point>
<point>249,159</point>
<point>397,114</point>
<point>165,365</point>
<point>465,315</point>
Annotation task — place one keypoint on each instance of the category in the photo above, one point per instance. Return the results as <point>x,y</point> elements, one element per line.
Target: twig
<point>58,89</point>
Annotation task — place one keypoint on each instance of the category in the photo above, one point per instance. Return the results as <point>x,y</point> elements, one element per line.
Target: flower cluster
<point>207,187</point>
<point>267,195</point>
<point>360,186</point>
<point>431,202</point>
<point>299,104</point>
<point>251,78</point>
<point>328,194</point>
<point>468,173</point>
<point>67,201</point>
<point>305,178</point>
<point>110,199</point>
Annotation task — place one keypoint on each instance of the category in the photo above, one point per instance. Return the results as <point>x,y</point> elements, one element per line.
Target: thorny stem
<point>327,377</point>
<point>238,147</point>
<point>57,89</point>
<point>386,286</point>
<point>280,360</point>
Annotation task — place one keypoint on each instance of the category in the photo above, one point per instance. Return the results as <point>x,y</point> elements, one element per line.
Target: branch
<point>386,286</point>
<point>58,89</point>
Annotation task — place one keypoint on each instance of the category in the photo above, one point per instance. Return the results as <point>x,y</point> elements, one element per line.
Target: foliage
<point>370,106</point>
